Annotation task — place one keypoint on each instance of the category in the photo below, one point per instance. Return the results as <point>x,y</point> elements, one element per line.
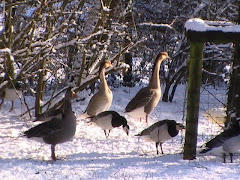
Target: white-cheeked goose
<point>147,98</point>
<point>102,100</point>
<point>161,131</point>
<point>227,142</point>
<point>56,130</point>
<point>108,120</point>
<point>11,94</point>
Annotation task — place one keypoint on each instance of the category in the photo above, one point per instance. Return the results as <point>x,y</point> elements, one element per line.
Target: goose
<point>56,130</point>
<point>11,94</point>
<point>227,142</point>
<point>47,115</point>
<point>148,97</point>
<point>107,120</point>
<point>161,131</point>
<point>102,100</point>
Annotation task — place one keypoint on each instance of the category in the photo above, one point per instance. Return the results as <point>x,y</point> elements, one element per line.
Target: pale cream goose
<point>148,97</point>
<point>11,94</point>
<point>102,100</point>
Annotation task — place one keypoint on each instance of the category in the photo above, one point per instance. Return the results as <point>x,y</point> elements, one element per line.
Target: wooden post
<point>193,98</point>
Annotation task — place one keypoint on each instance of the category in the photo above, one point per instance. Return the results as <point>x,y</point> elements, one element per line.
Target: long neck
<point>103,82</point>
<point>154,81</point>
<point>67,105</point>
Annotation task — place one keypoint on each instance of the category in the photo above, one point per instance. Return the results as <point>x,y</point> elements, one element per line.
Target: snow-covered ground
<point>91,156</point>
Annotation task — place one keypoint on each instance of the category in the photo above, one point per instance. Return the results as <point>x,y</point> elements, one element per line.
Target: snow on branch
<point>156,25</point>
<point>197,24</point>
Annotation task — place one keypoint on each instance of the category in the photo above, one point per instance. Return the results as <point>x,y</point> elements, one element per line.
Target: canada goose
<point>56,130</point>
<point>161,131</point>
<point>226,142</point>
<point>11,94</point>
<point>107,120</point>
<point>148,97</point>
<point>102,100</point>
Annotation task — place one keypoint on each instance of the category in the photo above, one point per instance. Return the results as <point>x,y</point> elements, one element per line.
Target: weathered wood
<point>193,98</point>
<point>213,36</point>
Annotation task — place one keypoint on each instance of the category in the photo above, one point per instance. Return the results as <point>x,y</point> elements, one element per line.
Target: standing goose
<point>108,120</point>
<point>227,142</point>
<point>11,94</point>
<point>161,131</point>
<point>102,100</point>
<point>57,130</point>
<point>148,97</point>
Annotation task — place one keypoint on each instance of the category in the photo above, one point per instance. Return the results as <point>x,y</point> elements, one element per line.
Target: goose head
<point>125,126</point>
<point>162,55</point>
<point>180,126</point>
<point>104,65</point>
<point>126,129</point>
<point>70,94</point>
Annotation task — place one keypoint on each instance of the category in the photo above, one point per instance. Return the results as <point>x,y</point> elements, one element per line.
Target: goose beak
<point>126,129</point>
<point>74,95</point>
<point>110,64</point>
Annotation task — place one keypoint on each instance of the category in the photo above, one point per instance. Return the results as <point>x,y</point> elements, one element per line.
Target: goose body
<point>102,100</point>
<point>144,102</point>
<point>161,131</point>
<point>48,115</point>
<point>227,142</point>
<point>56,130</point>
<point>10,94</point>
<point>108,120</point>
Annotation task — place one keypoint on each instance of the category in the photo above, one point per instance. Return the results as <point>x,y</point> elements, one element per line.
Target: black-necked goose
<point>102,100</point>
<point>147,98</point>
<point>226,142</point>
<point>57,130</point>
<point>161,131</point>
<point>11,94</point>
<point>108,120</point>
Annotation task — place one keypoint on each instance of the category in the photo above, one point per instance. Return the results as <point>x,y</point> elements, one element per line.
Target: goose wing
<point>45,129</point>
<point>151,128</point>
<point>141,99</point>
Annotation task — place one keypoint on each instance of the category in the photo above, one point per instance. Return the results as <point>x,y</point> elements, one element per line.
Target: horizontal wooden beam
<point>213,36</point>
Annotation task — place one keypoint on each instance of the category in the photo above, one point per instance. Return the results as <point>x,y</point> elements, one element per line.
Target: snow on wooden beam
<point>212,31</point>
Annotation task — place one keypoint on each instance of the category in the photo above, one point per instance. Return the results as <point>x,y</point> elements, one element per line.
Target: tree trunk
<point>233,105</point>
<point>40,87</point>
<point>193,98</point>
<point>128,76</point>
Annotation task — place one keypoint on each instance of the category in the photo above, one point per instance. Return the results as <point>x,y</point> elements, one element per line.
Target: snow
<point>91,156</point>
<point>197,24</point>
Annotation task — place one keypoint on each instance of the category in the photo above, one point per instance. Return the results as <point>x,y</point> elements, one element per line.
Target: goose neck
<point>155,81</point>
<point>103,82</point>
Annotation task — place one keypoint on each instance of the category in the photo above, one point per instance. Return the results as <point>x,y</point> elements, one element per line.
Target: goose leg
<point>1,102</point>
<point>109,132</point>
<point>224,158</point>
<point>161,147</point>
<point>12,106</point>
<point>106,134</point>
<point>146,118</point>
<point>157,147</point>
<point>53,152</point>
<point>231,157</point>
